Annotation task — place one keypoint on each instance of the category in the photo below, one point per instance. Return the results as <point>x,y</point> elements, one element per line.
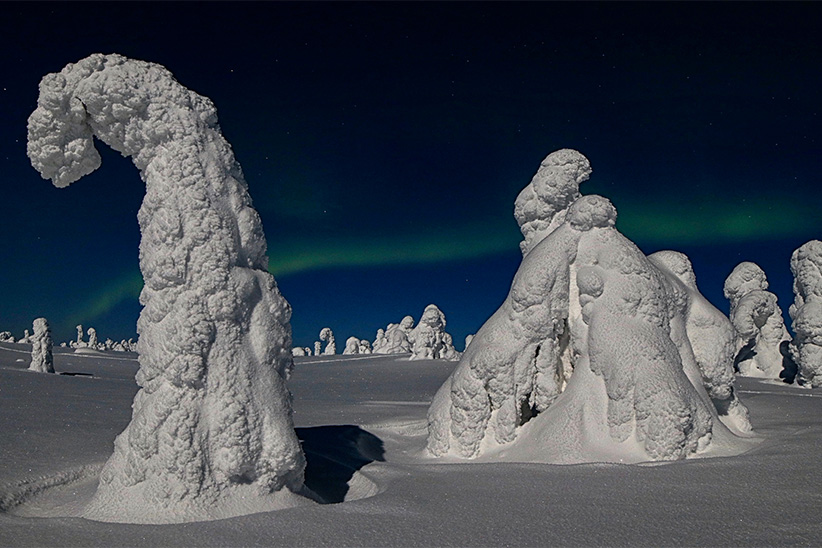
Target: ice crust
<point>757,320</point>
<point>42,360</point>
<point>590,357</point>
<point>211,433</point>
<point>806,312</point>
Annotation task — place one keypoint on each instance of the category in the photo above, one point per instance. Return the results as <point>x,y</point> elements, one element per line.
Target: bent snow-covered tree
<point>211,433</point>
<point>42,359</point>
<point>589,358</point>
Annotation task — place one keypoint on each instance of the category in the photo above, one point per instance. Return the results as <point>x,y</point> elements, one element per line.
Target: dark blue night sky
<point>384,145</point>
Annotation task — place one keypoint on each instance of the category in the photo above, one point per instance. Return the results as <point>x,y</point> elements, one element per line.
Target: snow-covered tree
<point>298,351</point>
<point>26,339</point>
<point>211,433</point>
<point>327,336</point>
<point>92,338</point>
<point>468,339</point>
<point>318,348</point>
<point>380,342</point>
<point>590,347</point>
<point>395,338</point>
<point>757,320</point>
<point>806,312</point>
<point>6,336</point>
<point>79,343</point>
<point>365,347</point>
<point>428,339</point>
<point>711,338</point>
<point>352,346</point>
<point>42,360</point>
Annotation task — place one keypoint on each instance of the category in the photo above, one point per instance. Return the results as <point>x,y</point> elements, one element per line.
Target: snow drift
<point>211,433</point>
<point>590,356</point>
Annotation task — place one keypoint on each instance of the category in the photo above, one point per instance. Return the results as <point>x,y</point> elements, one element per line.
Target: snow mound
<point>806,312</point>
<point>757,319</point>
<point>589,358</point>
<point>211,433</point>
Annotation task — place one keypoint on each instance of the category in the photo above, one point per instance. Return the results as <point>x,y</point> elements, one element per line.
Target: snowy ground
<point>362,422</point>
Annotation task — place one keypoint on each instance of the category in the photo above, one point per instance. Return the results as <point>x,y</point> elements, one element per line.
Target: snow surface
<point>757,319</point>
<point>806,311</point>
<point>589,358</point>
<point>362,422</point>
<point>211,433</point>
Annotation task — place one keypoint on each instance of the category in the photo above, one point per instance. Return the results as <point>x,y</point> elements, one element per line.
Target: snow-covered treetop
<point>746,277</point>
<point>553,188</point>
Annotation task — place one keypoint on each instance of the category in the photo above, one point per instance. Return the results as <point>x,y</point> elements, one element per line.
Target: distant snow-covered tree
<point>42,360</point>
<point>352,346</point>
<point>327,336</point>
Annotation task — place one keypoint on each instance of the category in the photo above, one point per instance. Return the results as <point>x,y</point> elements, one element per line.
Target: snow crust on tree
<point>757,320</point>
<point>352,346</point>
<point>806,312</point>
<point>211,434</point>
<point>42,360</point>
<point>468,339</point>
<point>589,357</point>
<point>428,339</point>
<point>327,336</point>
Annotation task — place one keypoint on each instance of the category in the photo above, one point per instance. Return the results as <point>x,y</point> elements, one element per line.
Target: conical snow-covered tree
<point>590,350</point>
<point>211,433</point>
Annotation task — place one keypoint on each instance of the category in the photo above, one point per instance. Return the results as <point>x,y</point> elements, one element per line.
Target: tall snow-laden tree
<point>211,433</point>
